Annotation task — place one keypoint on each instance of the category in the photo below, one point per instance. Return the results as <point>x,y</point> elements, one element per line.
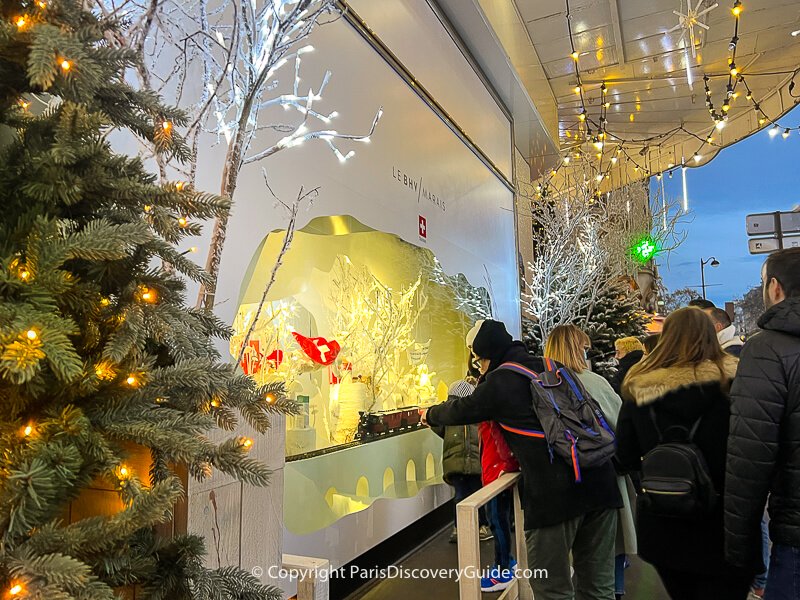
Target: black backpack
<point>675,478</point>
<point>573,425</point>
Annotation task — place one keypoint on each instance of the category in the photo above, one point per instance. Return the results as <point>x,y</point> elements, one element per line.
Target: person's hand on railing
<point>423,416</point>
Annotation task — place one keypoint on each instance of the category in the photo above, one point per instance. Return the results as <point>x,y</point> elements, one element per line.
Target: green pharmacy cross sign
<point>645,249</point>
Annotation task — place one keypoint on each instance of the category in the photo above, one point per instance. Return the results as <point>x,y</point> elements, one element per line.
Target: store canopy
<point>630,65</point>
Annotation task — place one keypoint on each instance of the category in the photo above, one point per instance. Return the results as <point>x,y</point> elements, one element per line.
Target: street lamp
<point>714,263</point>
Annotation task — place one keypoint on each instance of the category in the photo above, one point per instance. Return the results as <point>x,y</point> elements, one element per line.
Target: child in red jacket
<point>496,459</point>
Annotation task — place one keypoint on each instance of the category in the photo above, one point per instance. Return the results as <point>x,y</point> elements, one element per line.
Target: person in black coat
<point>764,446</point>
<point>561,515</point>
<point>684,381</point>
<point>629,352</point>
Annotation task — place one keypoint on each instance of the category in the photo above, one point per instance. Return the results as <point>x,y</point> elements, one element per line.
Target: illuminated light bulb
<point>737,8</point>
<point>598,143</point>
<point>553,173</point>
<point>104,301</point>
<point>167,126</point>
<point>577,89</point>
<point>66,65</point>
<point>599,177</point>
<point>607,104</point>
<point>193,249</point>
<point>149,295</point>
<point>735,95</point>
<point>720,125</point>
<point>271,398</point>
<point>147,208</point>
<point>15,590</point>
<point>631,118</point>
<point>658,176</point>
<point>708,92</point>
<point>215,403</point>
<point>734,70</point>
<point>24,274</point>
<point>179,185</point>
<point>785,133</point>
<point>749,95</point>
<point>41,4</point>
<point>761,121</point>
<point>247,443</point>
<point>582,116</point>
<point>27,431</point>
<point>566,160</point>
<point>20,22</point>
<point>670,165</point>
<point>182,221</point>
<point>774,131</point>
<point>575,55</point>
<point>636,168</point>
<point>31,334</point>
<point>697,157</point>
<point>709,139</point>
<point>613,160</point>
<point>726,107</point>
<point>577,155</point>
<point>131,380</point>
<point>24,104</point>
<point>599,155</point>
<point>123,471</point>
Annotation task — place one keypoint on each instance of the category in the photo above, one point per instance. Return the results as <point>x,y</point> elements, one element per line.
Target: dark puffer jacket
<point>550,494</point>
<point>461,450</point>
<point>764,443</point>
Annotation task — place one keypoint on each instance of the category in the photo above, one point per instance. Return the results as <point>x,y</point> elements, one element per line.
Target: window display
<point>360,326</point>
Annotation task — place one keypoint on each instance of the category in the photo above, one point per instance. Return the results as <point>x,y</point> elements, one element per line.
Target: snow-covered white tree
<point>228,63</point>
<point>582,244</point>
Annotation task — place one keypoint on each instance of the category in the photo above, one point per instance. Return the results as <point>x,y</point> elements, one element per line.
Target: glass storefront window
<point>360,326</point>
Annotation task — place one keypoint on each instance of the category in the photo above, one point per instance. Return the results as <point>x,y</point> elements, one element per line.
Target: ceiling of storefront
<point>654,114</point>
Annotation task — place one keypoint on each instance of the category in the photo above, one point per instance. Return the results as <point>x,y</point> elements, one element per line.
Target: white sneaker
<point>485,533</point>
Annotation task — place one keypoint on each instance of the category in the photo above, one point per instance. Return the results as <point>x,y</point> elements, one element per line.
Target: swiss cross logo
<point>423,227</point>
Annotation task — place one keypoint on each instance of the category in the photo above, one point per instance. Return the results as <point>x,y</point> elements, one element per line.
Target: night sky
<point>759,174</point>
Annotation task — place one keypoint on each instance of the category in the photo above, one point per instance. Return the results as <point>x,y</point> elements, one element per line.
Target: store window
<point>361,327</point>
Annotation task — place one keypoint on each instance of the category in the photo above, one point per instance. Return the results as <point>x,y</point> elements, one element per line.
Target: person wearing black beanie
<point>563,517</point>
<point>492,340</point>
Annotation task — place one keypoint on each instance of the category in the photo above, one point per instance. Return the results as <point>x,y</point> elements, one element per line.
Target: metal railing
<point>469,551</point>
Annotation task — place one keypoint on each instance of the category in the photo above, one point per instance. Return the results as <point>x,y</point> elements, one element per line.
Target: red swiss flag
<point>423,227</point>
<point>320,350</point>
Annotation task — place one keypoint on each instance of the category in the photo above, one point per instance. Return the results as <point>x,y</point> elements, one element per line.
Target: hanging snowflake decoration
<point>688,21</point>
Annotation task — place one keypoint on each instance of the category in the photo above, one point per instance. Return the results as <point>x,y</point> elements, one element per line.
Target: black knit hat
<point>492,341</point>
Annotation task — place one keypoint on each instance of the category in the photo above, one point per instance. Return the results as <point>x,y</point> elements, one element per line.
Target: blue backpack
<point>573,425</point>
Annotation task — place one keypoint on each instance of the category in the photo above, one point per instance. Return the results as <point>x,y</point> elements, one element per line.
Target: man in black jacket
<point>561,516</point>
<point>764,443</point>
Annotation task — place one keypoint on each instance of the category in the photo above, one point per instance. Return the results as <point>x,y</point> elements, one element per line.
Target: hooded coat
<point>764,445</point>
<point>550,494</point>
<point>679,396</point>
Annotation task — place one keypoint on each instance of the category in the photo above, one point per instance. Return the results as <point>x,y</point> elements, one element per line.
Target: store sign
<point>416,187</point>
<point>423,227</point>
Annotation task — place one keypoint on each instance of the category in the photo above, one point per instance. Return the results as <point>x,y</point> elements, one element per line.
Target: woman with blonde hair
<point>677,399</point>
<point>567,344</point>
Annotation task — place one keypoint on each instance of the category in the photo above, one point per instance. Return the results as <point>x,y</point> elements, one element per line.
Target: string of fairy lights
<point>593,133</point>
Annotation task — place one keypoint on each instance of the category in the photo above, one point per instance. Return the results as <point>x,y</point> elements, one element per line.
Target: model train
<point>374,425</point>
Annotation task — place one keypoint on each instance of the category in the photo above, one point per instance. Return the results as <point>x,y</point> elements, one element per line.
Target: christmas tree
<point>101,360</point>
<point>617,313</point>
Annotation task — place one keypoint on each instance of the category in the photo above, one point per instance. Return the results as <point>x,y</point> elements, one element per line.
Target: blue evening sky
<point>759,174</point>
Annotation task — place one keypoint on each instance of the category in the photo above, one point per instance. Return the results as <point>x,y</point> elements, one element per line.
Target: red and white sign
<point>318,349</point>
<point>423,227</point>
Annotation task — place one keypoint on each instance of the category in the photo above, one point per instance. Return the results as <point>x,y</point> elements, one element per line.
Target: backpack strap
<point>691,431</point>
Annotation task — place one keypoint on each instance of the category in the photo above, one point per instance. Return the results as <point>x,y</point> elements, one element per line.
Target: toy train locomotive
<point>376,425</point>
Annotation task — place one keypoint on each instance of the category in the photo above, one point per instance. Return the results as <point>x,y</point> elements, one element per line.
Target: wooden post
<point>309,585</point>
<point>469,556</point>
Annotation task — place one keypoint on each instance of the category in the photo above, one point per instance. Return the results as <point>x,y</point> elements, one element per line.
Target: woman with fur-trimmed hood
<point>685,381</point>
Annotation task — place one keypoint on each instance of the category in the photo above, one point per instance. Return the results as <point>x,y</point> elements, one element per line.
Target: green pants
<point>590,539</point>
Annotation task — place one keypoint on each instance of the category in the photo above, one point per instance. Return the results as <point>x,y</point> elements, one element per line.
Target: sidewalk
<point>642,583</point>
